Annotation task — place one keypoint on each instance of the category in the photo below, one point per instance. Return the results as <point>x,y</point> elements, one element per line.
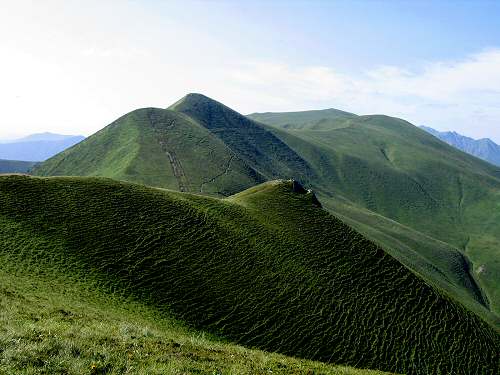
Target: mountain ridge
<point>16,166</point>
<point>483,148</point>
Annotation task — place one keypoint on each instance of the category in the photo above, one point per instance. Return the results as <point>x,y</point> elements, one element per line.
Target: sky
<point>72,67</point>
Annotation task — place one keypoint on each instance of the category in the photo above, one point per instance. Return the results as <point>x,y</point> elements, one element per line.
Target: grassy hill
<point>15,166</point>
<point>432,207</point>
<point>55,324</point>
<point>325,119</point>
<point>266,268</point>
<point>167,148</point>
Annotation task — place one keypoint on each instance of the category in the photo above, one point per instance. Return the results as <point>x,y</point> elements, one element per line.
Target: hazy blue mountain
<point>483,148</point>
<point>37,147</point>
<point>47,136</point>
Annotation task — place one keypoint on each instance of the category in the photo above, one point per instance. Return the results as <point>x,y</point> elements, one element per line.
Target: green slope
<point>52,325</point>
<point>388,166</point>
<point>15,166</point>
<point>266,268</point>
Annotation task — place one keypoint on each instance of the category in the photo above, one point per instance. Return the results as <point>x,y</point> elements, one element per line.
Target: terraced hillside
<point>15,166</point>
<point>266,268</point>
<point>378,164</point>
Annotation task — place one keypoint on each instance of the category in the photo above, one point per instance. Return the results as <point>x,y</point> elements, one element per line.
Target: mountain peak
<point>193,99</point>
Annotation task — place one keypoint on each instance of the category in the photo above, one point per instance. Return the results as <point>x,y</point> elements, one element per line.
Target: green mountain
<point>15,166</point>
<point>175,149</point>
<point>430,206</point>
<point>325,119</point>
<point>267,268</point>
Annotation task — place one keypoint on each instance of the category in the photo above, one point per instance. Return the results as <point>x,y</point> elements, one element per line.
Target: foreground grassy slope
<point>388,166</point>
<point>51,325</point>
<point>266,268</point>
<point>15,166</point>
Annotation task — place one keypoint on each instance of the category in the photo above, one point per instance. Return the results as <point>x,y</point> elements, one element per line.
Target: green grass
<point>51,326</point>
<point>179,150</point>
<point>15,166</point>
<point>266,268</point>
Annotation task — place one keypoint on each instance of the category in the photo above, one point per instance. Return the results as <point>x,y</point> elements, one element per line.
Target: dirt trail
<point>175,163</point>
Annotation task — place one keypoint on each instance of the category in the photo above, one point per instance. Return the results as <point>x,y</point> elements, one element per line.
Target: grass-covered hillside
<point>15,166</point>
<point>379,164</point>
<point>55,324</point>
<point>267,268</point>
<point>434,208</point>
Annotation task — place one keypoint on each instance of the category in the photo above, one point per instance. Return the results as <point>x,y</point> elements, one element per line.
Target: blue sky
<point>73,67</point>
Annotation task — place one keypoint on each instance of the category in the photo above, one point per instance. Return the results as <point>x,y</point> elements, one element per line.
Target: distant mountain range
<point>483,148</point>
<point>37,147</point>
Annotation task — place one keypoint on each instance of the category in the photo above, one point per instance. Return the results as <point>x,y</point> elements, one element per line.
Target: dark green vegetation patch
<point>266,268</point>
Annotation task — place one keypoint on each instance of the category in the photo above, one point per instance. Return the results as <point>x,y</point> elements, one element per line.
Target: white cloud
<point>459,95</point>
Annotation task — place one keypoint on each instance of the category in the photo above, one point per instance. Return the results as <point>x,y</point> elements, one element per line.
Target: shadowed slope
<point>256,145</point>
<point>267,268</point>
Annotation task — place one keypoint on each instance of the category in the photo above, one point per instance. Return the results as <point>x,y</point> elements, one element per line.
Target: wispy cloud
<point>462,95</point>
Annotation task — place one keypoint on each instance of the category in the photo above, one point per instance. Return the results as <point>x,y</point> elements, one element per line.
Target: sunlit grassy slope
<point>15,166</point>
<point>388,166</point>
<point>54,324</point>
<point>266,268</point>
